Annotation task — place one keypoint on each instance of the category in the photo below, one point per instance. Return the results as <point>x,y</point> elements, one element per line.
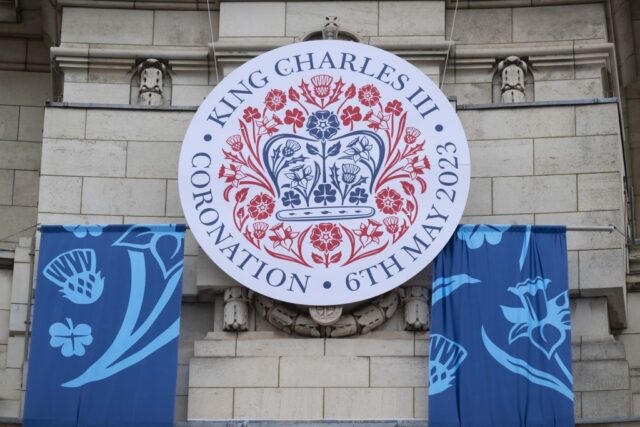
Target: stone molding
<point>139,4</point>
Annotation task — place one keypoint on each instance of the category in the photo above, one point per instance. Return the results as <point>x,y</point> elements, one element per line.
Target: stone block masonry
<point>267,375</point>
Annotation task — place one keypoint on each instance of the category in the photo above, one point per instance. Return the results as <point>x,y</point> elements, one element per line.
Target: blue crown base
<point>325,213</point>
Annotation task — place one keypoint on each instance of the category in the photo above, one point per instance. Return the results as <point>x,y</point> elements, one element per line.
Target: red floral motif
<point>377,121</point>
<point>282,236</point>
<point>260,229</point>
<point>269,125</point>
<point>235,142</point>
<point>369,232</point>
<point>321,85</point>
<point>389,201</point>
<point>350,115</point>
<point>275,100</point>
<point>325,237</point>
<point>261,206</point>
<point>369,95</point>
<point>391,224</point>
<point>294,117</point>
<point>394,107</point>
<point>250,114</point>
<point>232,175</point>
<point>411,135</point>
<point>414,167</point>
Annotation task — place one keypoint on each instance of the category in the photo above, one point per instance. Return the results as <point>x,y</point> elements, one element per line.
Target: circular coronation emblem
<point>324,173</point>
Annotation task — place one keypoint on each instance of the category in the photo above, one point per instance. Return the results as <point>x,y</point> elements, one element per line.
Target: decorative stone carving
<point>151,74</point>
<point>236,309</point>
<point>326,315</point>
<point>331,29</point>
<point>513,75</point>
<point>416,308</point>
<point>360,321</point>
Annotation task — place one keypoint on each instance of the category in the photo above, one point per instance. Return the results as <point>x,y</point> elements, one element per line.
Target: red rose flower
<point>389,201</point>
<point>250,113</point>
<point>261,206</point>
<point>350,115</point>
<point>394,107</point>
<point>275,99</point>
<point>326,237</point>
<point>294,117</point>
<point>369,95</point>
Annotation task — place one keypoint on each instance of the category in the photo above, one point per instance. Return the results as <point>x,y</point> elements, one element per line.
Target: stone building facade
<point>95,97</point>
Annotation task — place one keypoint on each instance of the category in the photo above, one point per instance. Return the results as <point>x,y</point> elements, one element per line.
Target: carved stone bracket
<point>416,308</point>
<point>236,309</point>
<point>151,74</point>
<point>513,75</point>
<point>361,321</point>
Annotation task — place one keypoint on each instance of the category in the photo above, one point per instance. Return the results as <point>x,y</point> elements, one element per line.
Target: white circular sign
<point>323,173</point>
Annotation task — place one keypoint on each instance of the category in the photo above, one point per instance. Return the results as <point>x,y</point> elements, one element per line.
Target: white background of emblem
<point>316,294</point>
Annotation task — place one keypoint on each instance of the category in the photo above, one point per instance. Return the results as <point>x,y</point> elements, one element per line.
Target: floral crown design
<point>321,153</point>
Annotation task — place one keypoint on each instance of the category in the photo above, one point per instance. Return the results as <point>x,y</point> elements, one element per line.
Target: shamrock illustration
<point>72,339</point>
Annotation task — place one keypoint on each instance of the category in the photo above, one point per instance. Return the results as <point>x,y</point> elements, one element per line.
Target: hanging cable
<point>446,59</point>
<point>213,44</point>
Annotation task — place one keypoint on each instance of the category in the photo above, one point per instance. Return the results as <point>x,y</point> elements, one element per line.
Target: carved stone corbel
<point>236,309</point>
<point>416,308</point>
<point>513,75</point>
<point>151,75</point>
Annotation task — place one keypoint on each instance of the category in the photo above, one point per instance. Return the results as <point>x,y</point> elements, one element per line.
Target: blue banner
<point>104,343</point>
<point>500,347</point>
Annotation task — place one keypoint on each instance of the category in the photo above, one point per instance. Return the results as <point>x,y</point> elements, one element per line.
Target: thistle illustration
<point>76,275</point>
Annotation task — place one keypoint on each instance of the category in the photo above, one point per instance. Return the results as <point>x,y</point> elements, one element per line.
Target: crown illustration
<point>327,175</point>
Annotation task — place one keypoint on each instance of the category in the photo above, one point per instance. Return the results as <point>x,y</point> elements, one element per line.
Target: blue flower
<point>359,148</point>
<point>291,198</point>
<point>475,235</point>
<point>81,230</point>
<point>323,124</point>
<point>544,321</point>
<point>325,194</point>
<point>358,196</point>
<point>72,339</point>
<point>299,176</point>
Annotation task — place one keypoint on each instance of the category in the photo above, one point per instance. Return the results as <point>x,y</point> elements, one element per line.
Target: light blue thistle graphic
<point>82,230</point>
<point>71,339</point>
<point>444,286</point>
<point>141,240</point>
<point>445,358</point>
<point>76,274</point>
<point>545,322</point>
<point>474,235</point>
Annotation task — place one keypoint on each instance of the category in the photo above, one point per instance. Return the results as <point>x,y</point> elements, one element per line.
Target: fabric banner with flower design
<point>104,343</point>
<point>500,346</point>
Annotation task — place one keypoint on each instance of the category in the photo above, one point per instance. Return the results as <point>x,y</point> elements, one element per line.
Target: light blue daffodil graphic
<point>474,235</point>
<point>82,230</point>
<point>72,339</point>
<point>545,322</point>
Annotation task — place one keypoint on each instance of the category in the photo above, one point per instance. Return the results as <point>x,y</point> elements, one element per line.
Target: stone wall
<point>550,162</point>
